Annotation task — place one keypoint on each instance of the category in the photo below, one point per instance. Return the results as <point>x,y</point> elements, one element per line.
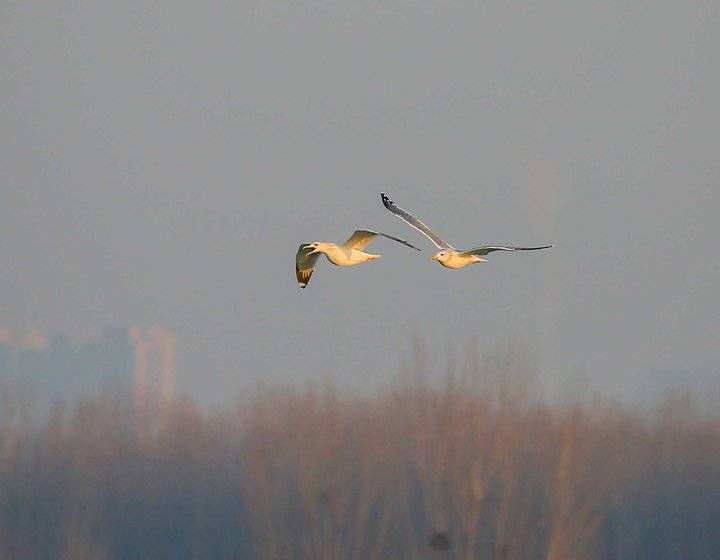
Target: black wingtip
<point>536,248</point>
<point>385,200</point>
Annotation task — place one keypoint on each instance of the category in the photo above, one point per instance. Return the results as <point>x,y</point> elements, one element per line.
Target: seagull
<point>349,253</point>
<point>449,256</point>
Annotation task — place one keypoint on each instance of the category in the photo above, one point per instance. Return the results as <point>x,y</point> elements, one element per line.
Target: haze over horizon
<point>161,162</point>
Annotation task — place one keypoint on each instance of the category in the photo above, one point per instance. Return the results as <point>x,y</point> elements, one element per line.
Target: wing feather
<point>361,237</point>
<point>305,264</point>
<point>414,223</point>
<point>481,251</point>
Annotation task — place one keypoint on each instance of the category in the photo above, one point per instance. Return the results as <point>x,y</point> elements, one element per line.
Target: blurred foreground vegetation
<point>465,469</point>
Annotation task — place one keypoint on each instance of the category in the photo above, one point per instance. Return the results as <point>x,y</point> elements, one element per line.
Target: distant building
<point>130,360</point>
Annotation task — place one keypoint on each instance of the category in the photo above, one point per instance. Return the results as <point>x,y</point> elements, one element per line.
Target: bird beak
<point>314,250</point>
<point>433,258</point>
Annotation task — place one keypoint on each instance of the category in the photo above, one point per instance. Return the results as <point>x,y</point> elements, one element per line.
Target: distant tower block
<point>14,344</point>
<point>154,368</point>
<point>32,340</point>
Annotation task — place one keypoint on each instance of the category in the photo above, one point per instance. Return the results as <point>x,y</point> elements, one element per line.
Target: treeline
<point>457,471</point>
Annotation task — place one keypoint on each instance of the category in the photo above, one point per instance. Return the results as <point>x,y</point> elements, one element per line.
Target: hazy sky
<point>160,162</point>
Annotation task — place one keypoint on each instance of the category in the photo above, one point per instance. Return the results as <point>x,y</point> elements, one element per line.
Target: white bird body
<point>448,256</point>
<point>344,256</point>
<point>454,259</point>
<point>349,253</point>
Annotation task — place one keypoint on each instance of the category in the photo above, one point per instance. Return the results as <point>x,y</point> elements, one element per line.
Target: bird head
<point>315,248</point>
<point>440,256</point>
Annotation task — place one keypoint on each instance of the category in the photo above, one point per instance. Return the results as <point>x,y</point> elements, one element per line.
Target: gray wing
<point>414,223</point>
<point>481,251</point>
<point>304,264</point>
<point>361,237</point>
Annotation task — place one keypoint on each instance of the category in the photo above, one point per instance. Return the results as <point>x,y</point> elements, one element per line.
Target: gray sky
<point>161,161</point>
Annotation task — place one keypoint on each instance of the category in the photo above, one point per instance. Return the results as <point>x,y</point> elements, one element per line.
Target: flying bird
<point>449,256</point>
<point>349,253</point>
